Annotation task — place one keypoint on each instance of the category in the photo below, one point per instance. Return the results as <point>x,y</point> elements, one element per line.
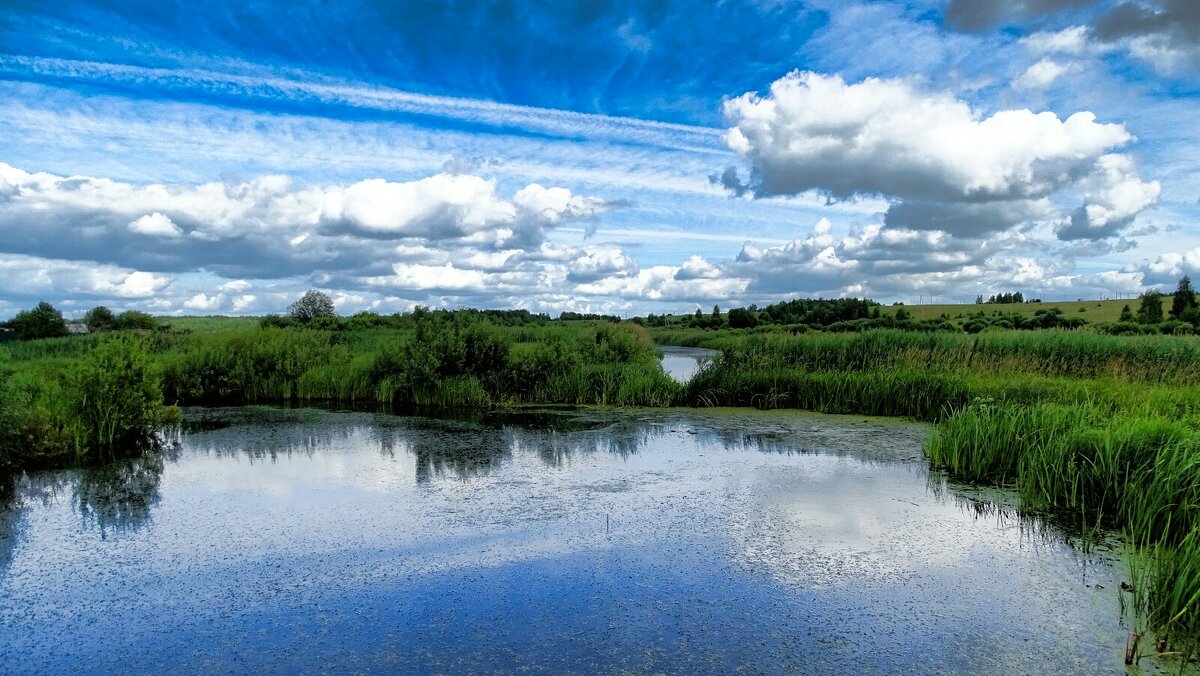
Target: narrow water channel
<point>593,542</point>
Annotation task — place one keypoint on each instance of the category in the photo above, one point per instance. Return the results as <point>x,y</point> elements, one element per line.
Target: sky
<point>617,157</point>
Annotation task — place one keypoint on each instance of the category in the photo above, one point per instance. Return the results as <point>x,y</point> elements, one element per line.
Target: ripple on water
<point>673,541</point>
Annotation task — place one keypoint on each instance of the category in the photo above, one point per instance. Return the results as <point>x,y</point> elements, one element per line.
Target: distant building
<point>77,328</point>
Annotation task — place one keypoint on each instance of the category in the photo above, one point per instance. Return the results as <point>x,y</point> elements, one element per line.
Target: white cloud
<point>1115,196</point>
<point>155,225</point>
<point>664,283</point>
<point>31,277</point>
<point>1042,74</point>
<point>927,150</point>
<point>1071,41</point>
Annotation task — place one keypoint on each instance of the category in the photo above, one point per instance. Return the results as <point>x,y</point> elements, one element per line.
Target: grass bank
<point>65,401</point>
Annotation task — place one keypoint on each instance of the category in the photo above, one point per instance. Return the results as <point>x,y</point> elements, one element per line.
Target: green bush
<point>43,321</point>
<point>117,400</point>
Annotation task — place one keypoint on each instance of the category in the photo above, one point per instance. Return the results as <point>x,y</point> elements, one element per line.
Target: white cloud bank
<point>941,164</point>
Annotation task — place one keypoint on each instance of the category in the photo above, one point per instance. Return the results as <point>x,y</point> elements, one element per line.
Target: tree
<point>716,312</point>
<point>741,318</point>
<point>1150,311</point>
<point>42,321</point>
<point>1183,299</point>
<point>134,320</point>
<point>1127,314</point>
<point>311,305</point>
<point>98,318</point>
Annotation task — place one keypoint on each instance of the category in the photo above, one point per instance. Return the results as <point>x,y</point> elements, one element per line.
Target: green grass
<point>55,416</point>
<point>1094,311</point>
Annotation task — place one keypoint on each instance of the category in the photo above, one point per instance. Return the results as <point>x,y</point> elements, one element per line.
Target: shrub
<point>133,320</point>
<point>311,305</point>
<point>275,322</point>
<point>43,321</point>
<point>99,318</point>
<point>118,400</point>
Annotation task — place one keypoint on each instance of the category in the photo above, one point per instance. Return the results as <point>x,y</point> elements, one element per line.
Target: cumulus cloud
<point>156,225</point>
<point>1072,41</point>
<point>1165,33</point>
<point>663,283</point>
<point>941,163</point>
<point>268,226</point>
<point>31,277</point>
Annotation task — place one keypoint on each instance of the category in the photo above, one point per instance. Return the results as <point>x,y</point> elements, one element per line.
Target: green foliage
<point>311,305</point>
<point>741,318</point>
<point>1184,299</point>
<point>99,318</point>
<point>1127,315</point>
<point>43,321</point>
<point>273,321</point>
<point>117,400</point>
<point>134,320</point>
<point>1150,311</point>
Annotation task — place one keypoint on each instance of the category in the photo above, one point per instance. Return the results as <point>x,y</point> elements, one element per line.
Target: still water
<point>681,363</point>
<point>286,540</point>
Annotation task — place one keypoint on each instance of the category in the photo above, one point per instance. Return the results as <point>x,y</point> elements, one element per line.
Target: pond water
<point>286,540</point>
<point>681,363</point>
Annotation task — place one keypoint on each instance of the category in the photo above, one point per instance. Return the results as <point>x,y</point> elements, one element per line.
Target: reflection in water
<point>119,497</point>
<point>10,513</point>
<point>643,541</point>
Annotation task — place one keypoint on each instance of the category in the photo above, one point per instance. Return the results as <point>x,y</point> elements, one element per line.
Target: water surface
<point>299,540</point>
<point>681,363</point>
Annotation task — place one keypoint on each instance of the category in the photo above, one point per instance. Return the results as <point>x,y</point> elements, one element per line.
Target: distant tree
<point>1150,311</point>
<point>311,305</point>
<point>741,318</point>
<point>1127,314</point>
<point>979,299</point>
<point>43,321</point>
<point>716,314</point>
<point>99,318</point>
<point>699,314</point>
<point>133,320</point>
<point>273,321</point>
<point>1183,299</point>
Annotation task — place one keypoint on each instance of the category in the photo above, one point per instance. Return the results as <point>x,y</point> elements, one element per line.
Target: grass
<point>1093,310</point>
<point>74,400</point>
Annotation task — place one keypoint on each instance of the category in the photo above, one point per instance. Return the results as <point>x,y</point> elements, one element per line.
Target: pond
<point>681,363</point>
<point>286,540</point>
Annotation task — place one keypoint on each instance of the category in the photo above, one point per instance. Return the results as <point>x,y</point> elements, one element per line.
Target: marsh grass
<point>1097,430</point>
<point>89,399</point>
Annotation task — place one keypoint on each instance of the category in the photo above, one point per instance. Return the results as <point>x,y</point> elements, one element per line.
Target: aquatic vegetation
<point>1100,429</point>
<point>102,406</point>
<point>92,398</point>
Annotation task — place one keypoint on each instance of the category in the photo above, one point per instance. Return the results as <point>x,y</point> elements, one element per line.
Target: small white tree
<point>311,305</point>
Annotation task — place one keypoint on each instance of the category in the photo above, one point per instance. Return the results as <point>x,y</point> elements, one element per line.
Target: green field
<point>1094,311</point>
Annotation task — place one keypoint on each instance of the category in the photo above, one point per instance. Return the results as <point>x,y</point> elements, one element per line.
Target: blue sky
<point>629,157</point>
